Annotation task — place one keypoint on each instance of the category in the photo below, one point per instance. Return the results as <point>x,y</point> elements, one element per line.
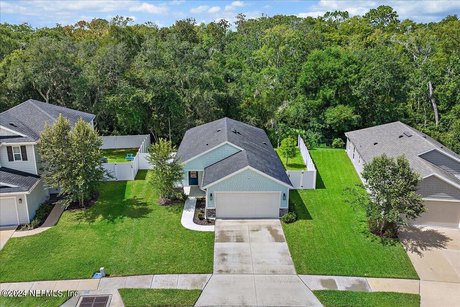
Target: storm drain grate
<point>94,301</point>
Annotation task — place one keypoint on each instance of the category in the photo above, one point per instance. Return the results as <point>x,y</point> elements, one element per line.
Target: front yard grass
<point>331,237</point>
<point>125,231</point>
<point>334,298</point>
<point>118,155</point>
<point>159,297</point>
<point>293,164</point>
<point>32,301</point>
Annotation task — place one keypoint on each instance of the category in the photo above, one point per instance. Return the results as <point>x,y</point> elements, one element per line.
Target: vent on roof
<point>265,143</point>
<point>207,144</point>
<point>219,130</point>
<point>401,136</point>
<point>407,133</point>
<point>375,143</point>
<point>13,124</point>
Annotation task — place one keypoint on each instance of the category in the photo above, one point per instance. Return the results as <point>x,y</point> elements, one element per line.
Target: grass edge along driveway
<point>331,237</point>
<point>125,231</point>
<point>361,299</point>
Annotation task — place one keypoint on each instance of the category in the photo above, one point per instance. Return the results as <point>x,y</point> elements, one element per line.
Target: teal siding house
<point>234,166</point>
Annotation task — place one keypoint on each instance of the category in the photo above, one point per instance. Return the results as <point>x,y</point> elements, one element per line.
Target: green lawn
<point>334,298</point>
<point>159,297</point>
<point>32,301</point>
<point>293,164</point>
<point>118,155</point>
<point>126,232</point>
<point>331,237</point>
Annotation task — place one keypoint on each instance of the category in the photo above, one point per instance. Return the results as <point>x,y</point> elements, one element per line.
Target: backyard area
<point>293,164</point>
<point>125,231</point>
<point>118,155</point>
<point>331,237</point>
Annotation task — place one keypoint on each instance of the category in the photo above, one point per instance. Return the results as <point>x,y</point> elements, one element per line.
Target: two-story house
<point>22,190</point>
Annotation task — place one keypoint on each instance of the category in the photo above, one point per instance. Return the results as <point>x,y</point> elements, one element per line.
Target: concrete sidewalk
<point>50,221</point>
<point>167,281</point>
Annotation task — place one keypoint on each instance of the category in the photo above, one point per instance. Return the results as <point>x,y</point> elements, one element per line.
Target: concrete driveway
<point>253,267</point>
<point>5,235</point>
<point>435,254</point>
<point>251,247</point>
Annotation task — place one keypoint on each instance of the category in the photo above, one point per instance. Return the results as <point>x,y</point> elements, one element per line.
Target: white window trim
<point>14,154</point>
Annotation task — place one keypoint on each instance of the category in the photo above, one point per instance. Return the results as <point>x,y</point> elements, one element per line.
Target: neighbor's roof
<point>22,181</point>
<point>29,118</point>
<point>124,141</point>
<point>257,151</point>
<point>395,139</point>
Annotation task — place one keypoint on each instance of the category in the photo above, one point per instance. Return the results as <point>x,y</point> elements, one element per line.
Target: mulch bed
<point>200,211</point>
<point>87,204</point>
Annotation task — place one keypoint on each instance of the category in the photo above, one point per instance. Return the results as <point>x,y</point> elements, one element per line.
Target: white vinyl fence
<point>120,171</point>
<point>303,179</point>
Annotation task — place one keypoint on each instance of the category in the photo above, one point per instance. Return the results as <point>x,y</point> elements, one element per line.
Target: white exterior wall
<point>20,207</point>
<point>28,166</point>
<point>355,158</point>
<point>37,197</point>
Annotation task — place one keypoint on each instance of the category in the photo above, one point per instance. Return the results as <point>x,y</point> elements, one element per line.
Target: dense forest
<point>316,76</point>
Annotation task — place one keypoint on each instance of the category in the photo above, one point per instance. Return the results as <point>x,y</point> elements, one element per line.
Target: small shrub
<point>201,215</point>
<point>338,143</point>
<point>289,217</point>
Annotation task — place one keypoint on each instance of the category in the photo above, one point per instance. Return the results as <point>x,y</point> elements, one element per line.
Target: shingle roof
<point>29,118</point>
<point>395,139</point>
<point>22,181</point>
<point>257,150</point>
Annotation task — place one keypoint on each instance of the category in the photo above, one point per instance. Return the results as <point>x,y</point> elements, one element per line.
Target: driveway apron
<point>253,266</point>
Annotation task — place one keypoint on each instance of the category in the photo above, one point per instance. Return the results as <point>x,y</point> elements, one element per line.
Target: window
<point>17,153</point>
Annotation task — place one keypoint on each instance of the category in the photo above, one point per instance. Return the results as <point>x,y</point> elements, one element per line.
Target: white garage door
<point>247,204</point>
<point>8,213</point>
<point>440,213</point>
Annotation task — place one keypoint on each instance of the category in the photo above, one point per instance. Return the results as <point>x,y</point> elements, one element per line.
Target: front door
<point>193,178</point>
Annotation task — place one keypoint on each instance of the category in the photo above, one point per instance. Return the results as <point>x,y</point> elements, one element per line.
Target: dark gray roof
<point>395,139</point>
<point>257,151</point>
<point>124,141</point>
<point>22,181</point>
<point>29,118</point>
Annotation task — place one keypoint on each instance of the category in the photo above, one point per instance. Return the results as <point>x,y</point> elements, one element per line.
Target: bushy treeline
<point>315,76</point>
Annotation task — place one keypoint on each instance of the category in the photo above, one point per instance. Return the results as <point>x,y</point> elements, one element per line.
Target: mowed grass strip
<point>293,164</point>
<point>334,298</point>
<point>32,301</point>
<point>125,231</point>
<point>331,237</point>
<point>159,297</point>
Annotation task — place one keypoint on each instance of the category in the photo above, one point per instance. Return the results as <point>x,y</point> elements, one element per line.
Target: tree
<point>288,148</point>
<point>167,169</point>
<point>392,185</point>
<point>71,159</point>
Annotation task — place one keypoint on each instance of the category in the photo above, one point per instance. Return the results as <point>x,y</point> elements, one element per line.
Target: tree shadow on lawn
<point>420,239</point>
<point>300,208</point>
<point>113,211</point>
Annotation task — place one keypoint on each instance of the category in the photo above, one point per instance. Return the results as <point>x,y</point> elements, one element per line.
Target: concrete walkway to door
<point>253,266</point>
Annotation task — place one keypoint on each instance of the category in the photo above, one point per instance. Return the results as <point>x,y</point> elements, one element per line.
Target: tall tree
<point>71,159</point>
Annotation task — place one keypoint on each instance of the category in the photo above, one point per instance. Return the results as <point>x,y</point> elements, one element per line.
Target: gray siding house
<point>234,166</point>
<point>438,166</point>
<point>22,190</point>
